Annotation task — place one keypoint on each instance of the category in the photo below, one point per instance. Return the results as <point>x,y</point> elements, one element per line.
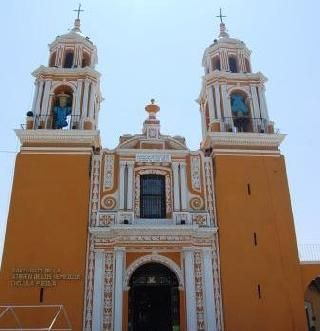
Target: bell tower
<point>45,249</point>
<point>232,97</point>
<point>260,271</point>
<point>67,91</point>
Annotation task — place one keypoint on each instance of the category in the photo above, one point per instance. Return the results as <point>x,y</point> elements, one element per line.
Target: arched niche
<point>215,63</point>
<point>68,59</point>
<point>240,110</point>
<point>233,63</point>
<point>61,108</point>
<point>153,258</point>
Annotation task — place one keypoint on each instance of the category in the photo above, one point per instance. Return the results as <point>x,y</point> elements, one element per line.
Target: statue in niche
<point>61,111</point>
<point>238,106</point>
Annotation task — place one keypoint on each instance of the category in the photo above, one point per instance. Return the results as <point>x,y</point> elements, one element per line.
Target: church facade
<point>151,235</point>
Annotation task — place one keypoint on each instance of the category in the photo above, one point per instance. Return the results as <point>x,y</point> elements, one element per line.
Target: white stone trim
<point>190,290</point>
<point>215,139</point>
<point>118,288</point>
<point>72,72</point>
<point>98,291</point>
<point>91,137</point>
<point>153,258</point>
<point>208,292</point>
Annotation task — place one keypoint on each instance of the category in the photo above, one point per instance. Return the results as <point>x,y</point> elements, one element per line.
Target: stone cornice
<point>129,230</point>
<point>72,137</point>
<point>223,139</point>
<point>65,72</point>
<point>218,75</point>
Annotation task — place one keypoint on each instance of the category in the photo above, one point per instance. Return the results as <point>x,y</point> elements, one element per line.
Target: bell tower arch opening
<point>153,299</point>
<point>240,110</point>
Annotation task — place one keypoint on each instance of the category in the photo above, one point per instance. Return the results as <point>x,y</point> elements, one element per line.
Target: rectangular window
<point>152,196</point>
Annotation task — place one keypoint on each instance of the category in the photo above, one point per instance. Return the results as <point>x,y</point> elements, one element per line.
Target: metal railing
<point>246,124</point>
<point>50,122</point>
<point>309,252</point>
<point>19,313</point>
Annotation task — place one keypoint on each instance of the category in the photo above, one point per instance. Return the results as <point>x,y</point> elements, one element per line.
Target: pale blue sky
<point>154,49</point>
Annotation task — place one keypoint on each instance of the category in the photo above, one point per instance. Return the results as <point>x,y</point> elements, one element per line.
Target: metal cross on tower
<point>79,10</point>
<point>221,16</point>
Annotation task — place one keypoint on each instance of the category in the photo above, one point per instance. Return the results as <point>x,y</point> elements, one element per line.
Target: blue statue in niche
<point>61,111</point>
<point>238,105</point>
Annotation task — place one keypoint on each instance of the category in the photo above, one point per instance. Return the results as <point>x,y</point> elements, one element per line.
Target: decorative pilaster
<point>190,289</point>
<point>256,108</point>
<point>212,111</point>
<point>35,95</point>
<point>118,288</point>
<point>46,94</point>
<point>208,291</point>
<point>39,97</point>
<point>122,184</point>
<point>226,104</point>
<point>85,99</point>
<point>91,101</point>
<point>108,292</point>
<point>217,96</point>
<point>130,165</point>
<point>183,186</point>
<point>98,291</point>
<point>77,110</point>
<point>176,190</point>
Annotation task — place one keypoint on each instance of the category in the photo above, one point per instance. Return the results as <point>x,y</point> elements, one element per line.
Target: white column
<point>212,115</point>
<point>38,104</point>
<point>91,101</point>
<point>217,95</point>
<point>35,96</point>
<point>176,190</point>
<point>263,103</point>
<point>98,291</point>
<point>85,99</point>
<point>183,186</point>
<point>45,100</point>
<point>77,100</point>
<point>208,290</point>
<point>130,165</point>
<point>256,108</point>
<point>226,105</point>
<point>190,290</point>
<point>118,288</point>
<point>121,184</point>
<point>203,123</point>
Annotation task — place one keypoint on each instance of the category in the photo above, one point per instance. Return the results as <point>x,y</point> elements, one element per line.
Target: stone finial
<point>152,108</point>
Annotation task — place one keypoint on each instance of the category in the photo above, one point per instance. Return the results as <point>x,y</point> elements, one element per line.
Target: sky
<point>153,49</point>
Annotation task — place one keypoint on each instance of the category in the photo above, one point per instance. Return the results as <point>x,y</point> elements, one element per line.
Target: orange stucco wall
<point>273,262</point>
<point>47,228</point>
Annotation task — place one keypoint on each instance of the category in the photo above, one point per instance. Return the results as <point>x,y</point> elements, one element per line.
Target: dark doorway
<point>153,299</point>
<point>152,196</point>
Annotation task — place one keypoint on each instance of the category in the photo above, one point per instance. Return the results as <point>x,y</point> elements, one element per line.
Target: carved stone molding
<point>196,203</point>
<point>108,202</point>
<point>196,172</point>
<point>153,258</point>
<point>108,173</point>
<point>165,173</point>
<point>108,292</point>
